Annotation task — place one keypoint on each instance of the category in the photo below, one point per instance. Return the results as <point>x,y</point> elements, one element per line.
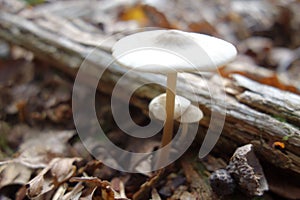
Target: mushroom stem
<point>170,104</point>
<point>169,123</point>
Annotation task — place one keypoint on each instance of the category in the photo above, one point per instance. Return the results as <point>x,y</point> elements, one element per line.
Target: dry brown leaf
<point>118,186</point>
<point>91,167</point>
<point>39,149</point>
<point>134,13</point>
<point>60,192</point>
<point>35,186</point>
<point>203,27</point>
<point>39,185</point>
<point>145,189</point>
<point>145,15</point>
<point>21,193</point>
<point>37,152</point>
<point>107,192</point>
<point>14,173</point>
<point>63,169</point>
<point>60,114</point>
<point>90,195</point>
<point>98,189</point>
<point>75,193</point>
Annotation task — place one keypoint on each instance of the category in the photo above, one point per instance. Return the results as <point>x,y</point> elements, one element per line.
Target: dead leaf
<point>146,16</point>
<point>21,194</point>
<point>203,27</point>
<point>145,189</point>
<point>90,167</point>
<point>63,169</point>
<point>60,192</point>
<point>39,149</point>
<point>118,185</point>
<point>97,185</point>
<point>135,13</point>
<point>39,185</point>
<point>13,175</point>
<point>60,114</point>
<point>75,192</point>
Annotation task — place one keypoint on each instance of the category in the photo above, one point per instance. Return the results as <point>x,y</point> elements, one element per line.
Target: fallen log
<point>255,113</point>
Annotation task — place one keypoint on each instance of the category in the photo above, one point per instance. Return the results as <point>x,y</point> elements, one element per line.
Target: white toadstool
<point>170,52</point>
<point>158,104</point>
<point>184,112</point>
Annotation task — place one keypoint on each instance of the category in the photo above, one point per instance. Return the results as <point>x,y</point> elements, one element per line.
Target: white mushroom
<point>184,112</point>
<point>161,51</point>
<point>190,115</point>
<point>158,104</point>
<point>169,52</point>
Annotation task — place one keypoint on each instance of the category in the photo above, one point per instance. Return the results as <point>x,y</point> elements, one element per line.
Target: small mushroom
<point>184,112</point>
<point>158,104</point>
<point>169,52</point>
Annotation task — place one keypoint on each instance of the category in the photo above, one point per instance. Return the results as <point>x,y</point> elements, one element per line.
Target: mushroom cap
<point>191,115</point>
<point>184,111</point>
<point>157,106</point>
<point>163,51</point>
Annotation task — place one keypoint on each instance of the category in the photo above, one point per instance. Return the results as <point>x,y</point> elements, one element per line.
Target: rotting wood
<point>246,120</point>
<point>280,104</point>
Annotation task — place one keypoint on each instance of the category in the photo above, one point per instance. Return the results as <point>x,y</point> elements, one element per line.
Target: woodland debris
<point>147,186</point>
<point>221,182</point>
<point>198,185</point>
<point>61,169</point>
<point>247,171</point>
